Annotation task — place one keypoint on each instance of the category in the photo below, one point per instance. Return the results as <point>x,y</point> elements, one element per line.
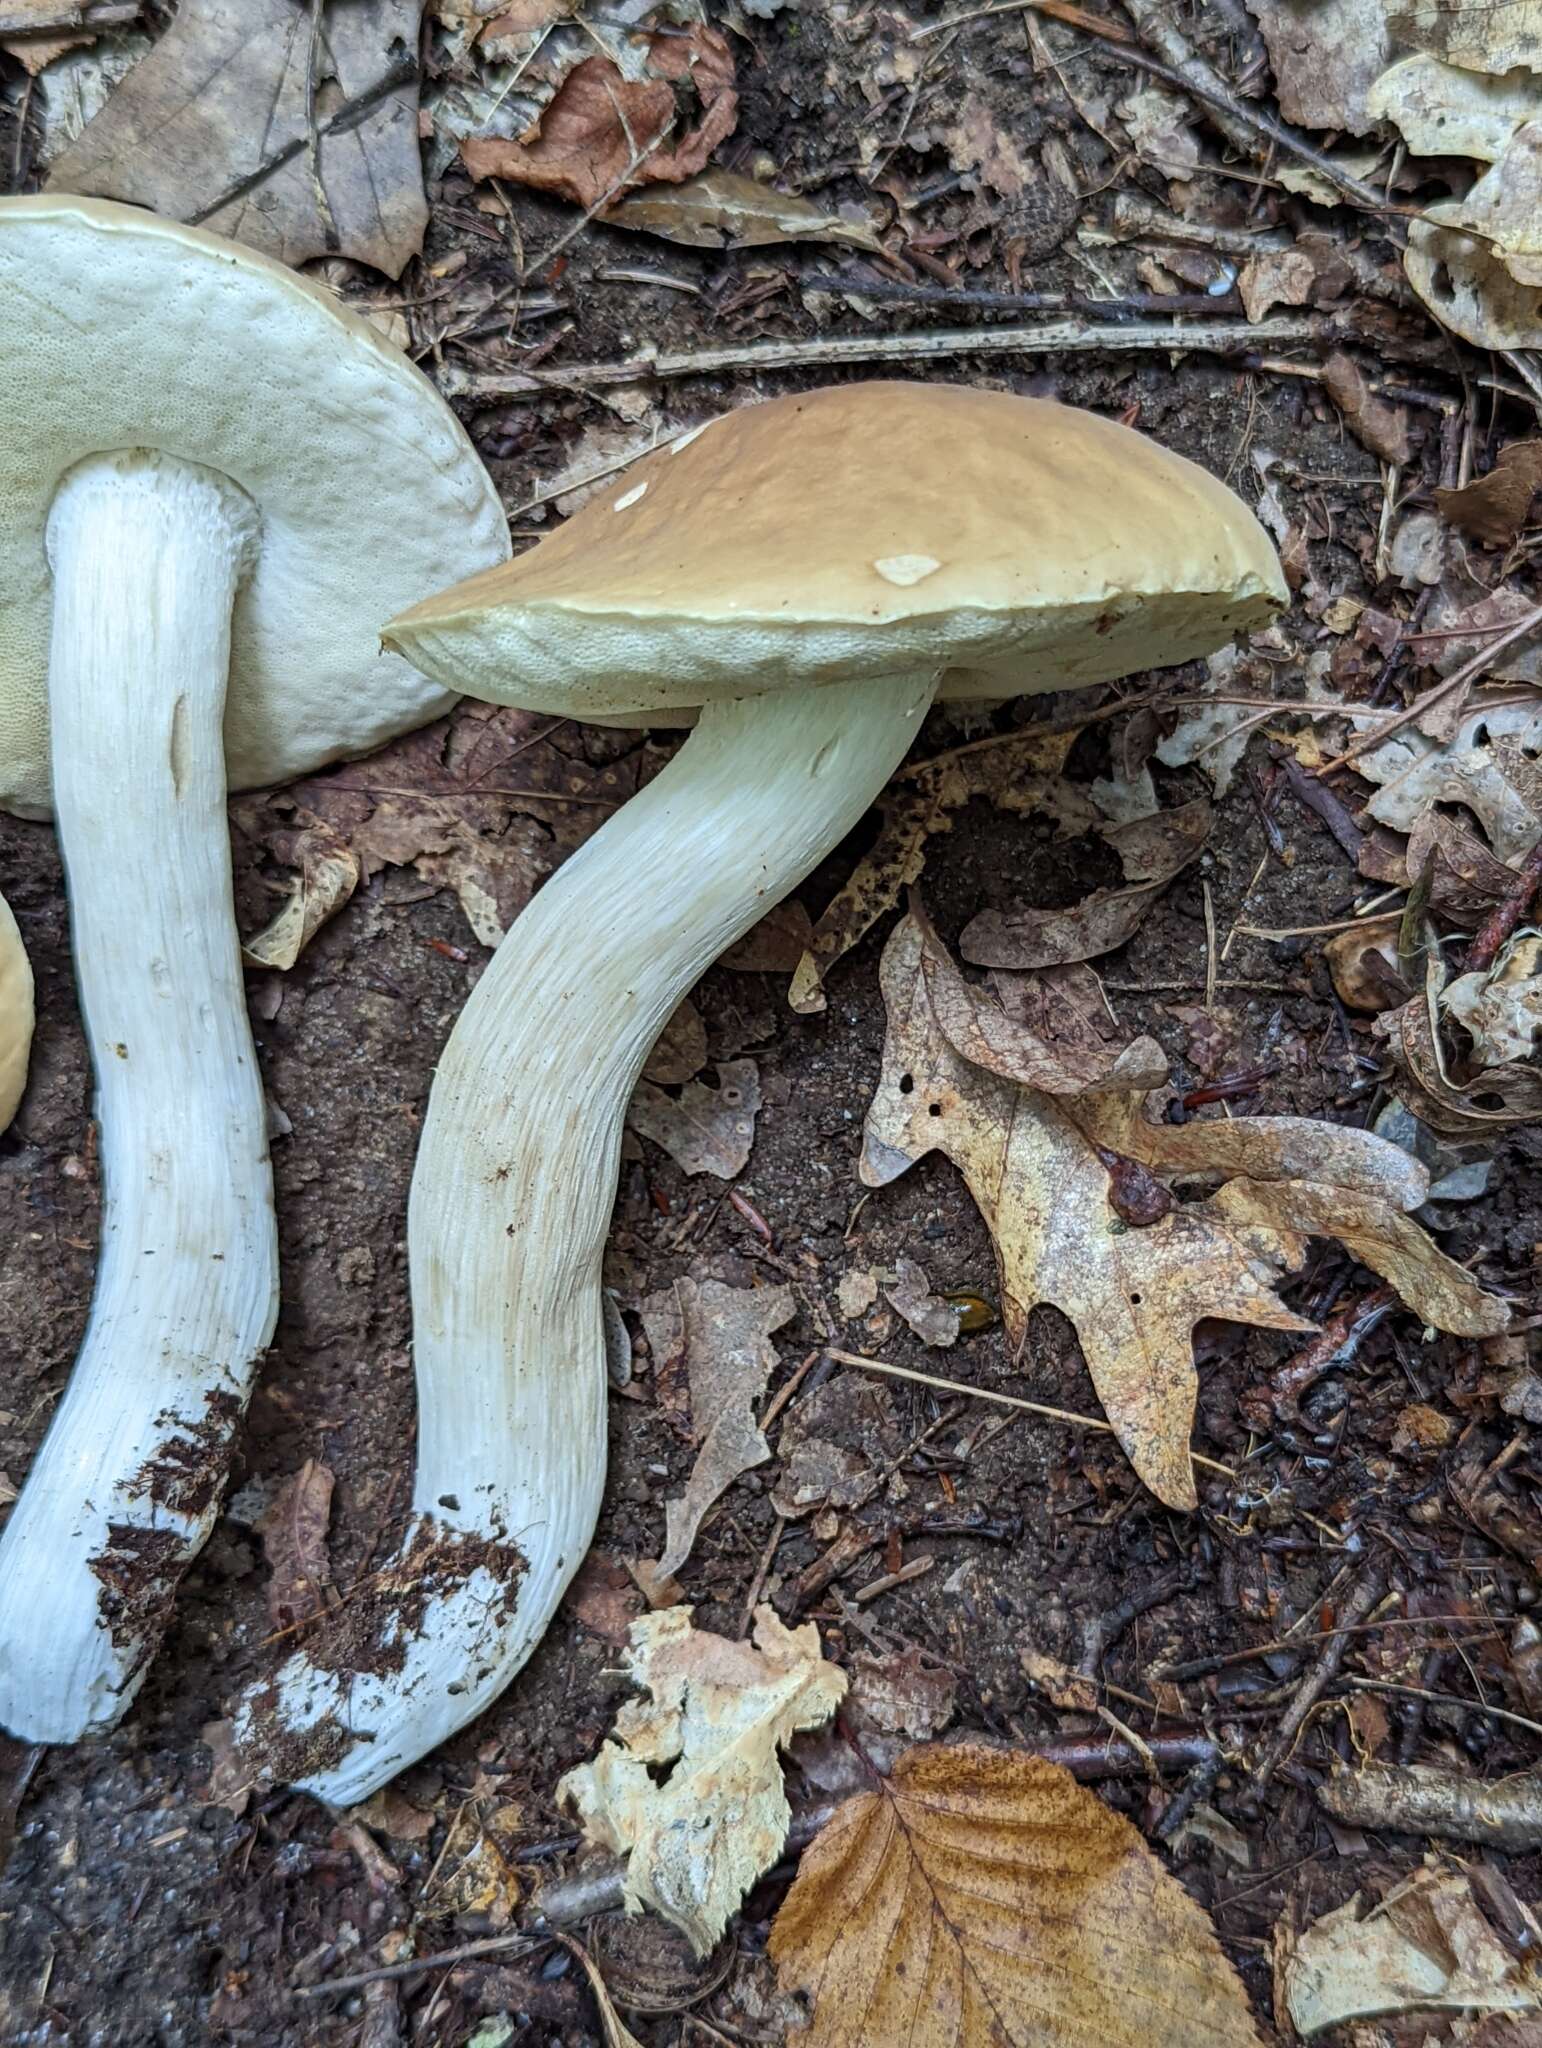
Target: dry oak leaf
<point>1052,1180</point>
<point>1021,773</point>
<point>1491,766</point>
<point>212,127</point>
<point>719,1712</point>
<point>293,1529</point>
<point>982,1899</point>
<point>602,131</point>
<point>704,1130</point>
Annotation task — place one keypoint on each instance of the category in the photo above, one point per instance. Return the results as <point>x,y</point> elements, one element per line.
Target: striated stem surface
<point>147,555</point>
<point>511,1202</point>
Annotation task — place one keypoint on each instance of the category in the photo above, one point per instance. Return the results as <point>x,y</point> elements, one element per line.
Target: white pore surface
<point>146,560</point>
<point>121,331</point>
<point>516,1177</point>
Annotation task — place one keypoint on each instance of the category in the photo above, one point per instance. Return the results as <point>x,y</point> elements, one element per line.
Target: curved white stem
<point>146,556</point>
<point>511,1201</point>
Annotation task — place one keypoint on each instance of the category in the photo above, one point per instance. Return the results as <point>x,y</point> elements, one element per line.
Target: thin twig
<point>1356,1609</point>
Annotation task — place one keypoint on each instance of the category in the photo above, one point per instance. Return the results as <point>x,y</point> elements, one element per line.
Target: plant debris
<point>704,1130</point>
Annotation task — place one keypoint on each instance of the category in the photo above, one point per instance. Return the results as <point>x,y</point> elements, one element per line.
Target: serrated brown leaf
<point>983,1899</point>
<point>1046,1175</point>
<point>293,1529</point>
<point>220,105</point>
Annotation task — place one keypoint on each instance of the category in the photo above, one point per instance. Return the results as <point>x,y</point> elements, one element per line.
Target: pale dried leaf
<point>1073,1691</point>
<point>1326,56</point>
<point>856,1292</point>
<point>976,141</point>
<point>680,1052</point>
<point>219,106</point>
<point>329,874</point>
<point>1493,38</point>
<point>1441,110</point>
<point>1277,277</point>
<point>1493,766</point>
<point>17,1015</point>
<point>1504,208</point>
<point>1021,774</point>
<point>721,210</point>
<point>1500,1008</point>
<point>1466,286</point>
<point>1153,852</point>
<point>1208,737</point>
<point>1427,1947</point>
<point>602,131</point>
<point>982,1899</point>
<point>718,1712</point>
<point>1060,1184</point>
<point>729,1357</point>
<point>1457,1105</point>
<point>477,1870</point>
<point>704,1130</point>
<point>934,1320</point>
<point>294,1540</point>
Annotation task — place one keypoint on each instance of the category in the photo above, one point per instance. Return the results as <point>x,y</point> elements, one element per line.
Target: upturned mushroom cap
<point>16,1014</point>
<point>859,531</point>
<point>122,331</point>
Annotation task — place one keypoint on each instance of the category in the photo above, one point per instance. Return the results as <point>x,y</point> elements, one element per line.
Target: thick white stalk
<point>146,556</point>
<point>511,1202</point>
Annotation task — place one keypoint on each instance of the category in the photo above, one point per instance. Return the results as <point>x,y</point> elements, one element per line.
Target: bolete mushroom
<point>214,485</point>
<point>16,1014</point>
<point>808,574</point>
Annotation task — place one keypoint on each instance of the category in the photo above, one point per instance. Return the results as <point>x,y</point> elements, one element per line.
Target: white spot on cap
<point>629,497</point>
<point>686,439</point>
<point>906,569</point>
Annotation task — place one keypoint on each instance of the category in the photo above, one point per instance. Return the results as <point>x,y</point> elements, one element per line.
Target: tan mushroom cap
<point>16,1014</point>
<point>122,331</point>
<point>857,531</point>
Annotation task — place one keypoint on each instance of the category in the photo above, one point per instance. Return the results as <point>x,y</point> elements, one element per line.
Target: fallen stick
<point>1211,337</point>
<point>1422,1799</point>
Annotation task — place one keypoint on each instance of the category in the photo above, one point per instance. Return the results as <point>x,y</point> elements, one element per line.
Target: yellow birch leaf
<point>981,1899</point>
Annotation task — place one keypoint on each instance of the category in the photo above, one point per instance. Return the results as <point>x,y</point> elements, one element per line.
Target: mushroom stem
<point>511,1202</point>
<point>147,555</point>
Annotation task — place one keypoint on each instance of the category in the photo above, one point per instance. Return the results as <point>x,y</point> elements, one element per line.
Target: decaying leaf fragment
<point>718,1713</point>
<point>721,210</point>
<point>982,1899</point>
<point>1442,110</point>
<point>1022,773</point>
<point>220,105</point>
<point>704,1130</point>
<point>1494,508</point>
<point>718,1340</point>
<point>329,874</point>
<point>1466,286</point>
<point>1440,1091</point>
<point>1326,56</point>
<point>1493,766</point>
<point>1070,1188</point>
<point>1427,1947</point>
<point>1504,36</point>
<point>293,1529</point>
<point>1500,1008</point>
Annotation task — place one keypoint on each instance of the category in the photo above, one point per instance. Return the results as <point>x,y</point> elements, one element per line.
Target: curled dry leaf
<point>721,210</point>
<point>1021,773</point>
<point>1152,851</point>
<point>1427,1947</point>
<point>220,106</point>
<point>1504,208</point>
<point>1491,766</point>
<point>329,874</point>
<point>981,1899</point>
<point>718,1712</point>
<point>1364,966</point>
<point>934,1320</point>
<point>602,131</point>
<point>704,1130</point>
<point>1500,1008</point>
<point>724,1341</point>
<point>294,1539</point>
<point>1437,1089</point>
<point>1494,508</point>
<point>1054,1180</point>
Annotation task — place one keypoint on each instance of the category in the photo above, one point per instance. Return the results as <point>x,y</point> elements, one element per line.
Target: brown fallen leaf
<point>681,1050</point>
<point>329,874</point>
<point>212,127</point>
<point>35,32</point>
<point>836,1447</point>
<point>934,1320</point>
<point>1153,852</point>
<point>605,1598</point>
<point>1490,765</point>
<point>728,1357</point>
<point>391,1813</point>
<point>721,210</point>
<point>1055,1182</point>
<point>1465,879</point>
<point>704,1130</point>
<point>1020,774</point>
<point>602,131</point>
<point>775,945</point>
<point>718,1714</point>
<point>1439,1089</point>
<point>1376,425</point>
<point>978,1898</point>
<point>477,1870</point>
<point>1326,56</point>
<point>1494,508</point>
<point>1427,1947</point>
<point>293,1529</point>
<point>901,1694</point>
<point>1363,965</point>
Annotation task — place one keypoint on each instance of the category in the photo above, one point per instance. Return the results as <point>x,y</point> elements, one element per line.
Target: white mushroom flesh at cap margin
<point>147,555</point>
<point>511,1202</point>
